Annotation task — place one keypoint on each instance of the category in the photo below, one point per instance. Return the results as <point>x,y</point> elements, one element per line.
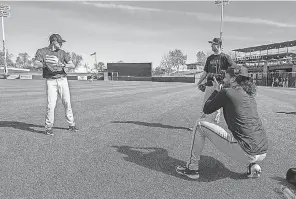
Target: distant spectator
<point>276,82</point>
<point>287,82</point>
<point>280,82</point>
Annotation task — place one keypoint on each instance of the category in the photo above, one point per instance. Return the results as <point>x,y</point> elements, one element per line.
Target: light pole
<point>4,12</point>
<point>221,3</point>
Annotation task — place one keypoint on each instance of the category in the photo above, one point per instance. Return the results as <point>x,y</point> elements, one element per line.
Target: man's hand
<point>201,87</point>
<point>216,85</point>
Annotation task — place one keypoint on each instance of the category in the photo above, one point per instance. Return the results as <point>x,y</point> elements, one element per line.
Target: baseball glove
<point>53,63</point>
<point>202,87</point>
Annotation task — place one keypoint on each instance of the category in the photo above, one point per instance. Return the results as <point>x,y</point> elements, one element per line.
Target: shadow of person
<point>151,125</point>
<point>157,159</point>
<point>284,182</point>
<point>288,113</point>
<point>24,126</point>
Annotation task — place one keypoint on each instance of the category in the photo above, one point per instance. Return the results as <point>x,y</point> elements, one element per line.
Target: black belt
<point>58,77</point>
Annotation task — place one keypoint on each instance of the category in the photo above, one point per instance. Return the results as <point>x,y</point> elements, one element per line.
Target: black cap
<point>216,41</point>
<point>56,37</point>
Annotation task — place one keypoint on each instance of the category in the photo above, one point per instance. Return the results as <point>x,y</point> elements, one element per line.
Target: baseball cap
<point>56,37</point>
<point>216,41</point>
<point>238,71</point>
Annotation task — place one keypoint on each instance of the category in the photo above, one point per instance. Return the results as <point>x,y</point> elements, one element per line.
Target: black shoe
<point>48,132</point>
<point>193,174</point>
<point>73,128</point>
<point>254,171</point>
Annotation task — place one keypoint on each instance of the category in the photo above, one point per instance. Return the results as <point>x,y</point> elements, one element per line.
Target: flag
<point>93,54</point>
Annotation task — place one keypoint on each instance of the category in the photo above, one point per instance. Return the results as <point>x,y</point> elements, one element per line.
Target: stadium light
<point>4,12</point>
<point>221,3</point>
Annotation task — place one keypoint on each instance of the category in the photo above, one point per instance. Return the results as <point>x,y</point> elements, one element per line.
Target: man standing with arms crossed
<point>53,60</point>
<point>215,64</point>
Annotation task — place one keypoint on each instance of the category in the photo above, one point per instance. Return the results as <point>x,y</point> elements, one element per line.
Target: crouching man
<point>247,141</point>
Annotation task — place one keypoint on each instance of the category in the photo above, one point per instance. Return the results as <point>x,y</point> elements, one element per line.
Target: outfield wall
<point>131,69</point>
<point>84,77</point>
<point>174,79</point>
<point>127,78</point>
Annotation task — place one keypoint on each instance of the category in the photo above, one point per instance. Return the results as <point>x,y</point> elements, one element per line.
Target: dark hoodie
<point>241,116</point>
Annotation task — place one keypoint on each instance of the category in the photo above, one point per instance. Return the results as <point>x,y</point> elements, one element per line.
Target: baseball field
<point>132,135</point>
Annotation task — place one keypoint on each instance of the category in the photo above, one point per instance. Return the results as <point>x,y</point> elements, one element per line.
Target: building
<point>265,62</point>
<point>269,57</point>
<point>196,66</point>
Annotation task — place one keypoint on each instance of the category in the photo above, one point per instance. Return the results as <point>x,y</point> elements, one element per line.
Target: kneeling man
<point>247,141</point>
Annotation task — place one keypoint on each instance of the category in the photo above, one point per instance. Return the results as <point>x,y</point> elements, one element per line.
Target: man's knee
<point>205,123</point>
<point>209,129</point>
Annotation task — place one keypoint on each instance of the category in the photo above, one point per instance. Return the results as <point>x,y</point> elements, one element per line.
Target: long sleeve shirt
<point>242,119</point>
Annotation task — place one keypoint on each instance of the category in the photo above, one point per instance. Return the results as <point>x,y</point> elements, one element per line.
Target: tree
<point>201,58</point>
<point>29,64</point>
<point>100,66</point>
<point>9,60</point>
<point>76,59</point>
<point>32,64</point>
<point>86,66</point>
<point>177,58</point>
<point>158,71</point>
<point>165,64</point>
<point>23,60</point>
<point>173,60</point>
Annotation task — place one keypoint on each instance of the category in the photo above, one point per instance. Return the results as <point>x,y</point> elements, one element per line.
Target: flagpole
<point>96,59</point>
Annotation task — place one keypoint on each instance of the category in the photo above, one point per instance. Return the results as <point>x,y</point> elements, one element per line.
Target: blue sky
<point>144,31</point>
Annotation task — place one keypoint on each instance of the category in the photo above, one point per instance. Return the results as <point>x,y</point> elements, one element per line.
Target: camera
<point>219,76</point>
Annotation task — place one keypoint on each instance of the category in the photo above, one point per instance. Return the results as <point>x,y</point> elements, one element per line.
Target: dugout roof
<point>267,47</point>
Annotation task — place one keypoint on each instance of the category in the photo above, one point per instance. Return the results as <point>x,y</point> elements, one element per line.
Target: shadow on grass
<point>284,182</point>
<point>157,159</point>
<point>25,126</point>
<point>151,125</point>
<point>288,113</point>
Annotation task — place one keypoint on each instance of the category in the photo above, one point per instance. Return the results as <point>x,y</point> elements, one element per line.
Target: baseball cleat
<point>254,170</point>
<point>48,132</point>
<point>192,174</point>
<point>73,128</point>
